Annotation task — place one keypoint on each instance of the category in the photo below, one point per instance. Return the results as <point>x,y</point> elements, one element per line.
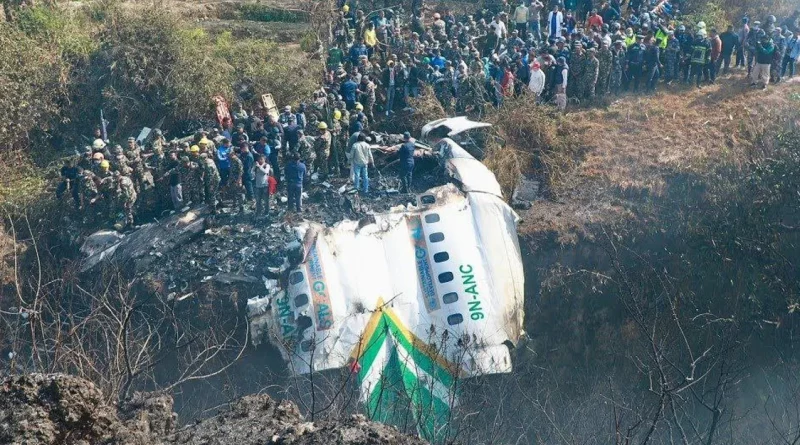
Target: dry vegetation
<point>637,144</point>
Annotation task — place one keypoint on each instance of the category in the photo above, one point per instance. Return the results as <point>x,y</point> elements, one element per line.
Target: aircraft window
<point>454,319</point>
<point>436,237</point>
<point>296,277</point>
<point>446,277</point>
<point>428,199</point>
<point>450,297</point>
<point>300,300</point>
<point>306,345</point>
<point>304,322</point>
<point>441,257</point>
<point>432,218</point>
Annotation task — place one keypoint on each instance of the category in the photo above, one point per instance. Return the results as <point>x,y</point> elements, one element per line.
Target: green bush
<point>263,13</point>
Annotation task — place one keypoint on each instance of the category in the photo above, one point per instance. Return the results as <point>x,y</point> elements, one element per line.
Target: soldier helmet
<point>322,126</point>
<point>771,19</point>
<point>105,165</point>
<point>184,145</point>
<point>185,159</point>
<point>117,149</point>
<point>157,132</point>
<point>87,150</point>
<point>194,149</point>
<point>131,139</point>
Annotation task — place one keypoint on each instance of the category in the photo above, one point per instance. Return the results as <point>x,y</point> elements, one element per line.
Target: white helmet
<point>98,144</point>
<point>701,25</point>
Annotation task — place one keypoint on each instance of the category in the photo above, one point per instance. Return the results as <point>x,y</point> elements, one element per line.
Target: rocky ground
<point>60,409</point>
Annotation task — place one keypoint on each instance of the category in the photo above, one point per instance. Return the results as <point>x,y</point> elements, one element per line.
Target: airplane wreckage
<point>411,300</point>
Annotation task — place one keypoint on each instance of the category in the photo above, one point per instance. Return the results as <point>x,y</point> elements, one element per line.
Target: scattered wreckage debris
<point>416,297</point>
<point>389,284</point>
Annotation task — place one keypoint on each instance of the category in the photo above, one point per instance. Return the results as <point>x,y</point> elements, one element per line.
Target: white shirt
<point>536,84</point>
<point>499,28</point>
<point>521,14</point>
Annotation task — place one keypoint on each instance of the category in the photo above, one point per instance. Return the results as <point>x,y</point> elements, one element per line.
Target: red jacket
<point>716,47</point>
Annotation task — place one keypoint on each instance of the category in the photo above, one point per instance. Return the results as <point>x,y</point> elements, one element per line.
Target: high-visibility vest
<point>630,41</point>
<point>699,53</point>
<point>662,38</point>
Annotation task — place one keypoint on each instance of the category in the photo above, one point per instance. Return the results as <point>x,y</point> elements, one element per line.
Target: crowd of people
<point>566,49</point>
<point>556,50</point>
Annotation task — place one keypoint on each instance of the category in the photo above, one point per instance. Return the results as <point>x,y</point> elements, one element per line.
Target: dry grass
<point>638,143</point>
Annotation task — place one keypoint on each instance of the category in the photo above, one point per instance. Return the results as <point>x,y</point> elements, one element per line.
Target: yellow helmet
<point>105,165</point>
<point>205,141</point>
<point>346,8</point>
<point>337,114</point>
<point>195,149</point>
<point>359,107</point>
<point>322,126</point>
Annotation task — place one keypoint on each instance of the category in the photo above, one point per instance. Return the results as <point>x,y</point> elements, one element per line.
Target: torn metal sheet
<point>421,296</point>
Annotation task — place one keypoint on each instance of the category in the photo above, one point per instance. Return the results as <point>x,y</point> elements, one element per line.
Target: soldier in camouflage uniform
<point>605,58</point>
<point>577,65</point>
<point>617,67</point>
<point>672,59</point>
<point>305,148</point>
<point>443,89</point>
<point>192,189</point>
<point>126,197</point>
<point>235,187</point>
<point>118,159</point>
<point>87,188</point>
<point>322,150</point>
<point>591,72</point>
<point>107,187</point>
<point>472,92</point>
<point>338,142</point>
<point>211,181</point>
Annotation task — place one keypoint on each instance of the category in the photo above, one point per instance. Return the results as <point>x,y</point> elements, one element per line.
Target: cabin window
<point>295,278</point>
<point>446,277</point>
<point>454,319</point>
<point>300,300</point>
<point>432,218</point>
<point>441,257</point>
<point>306,345</point>
<point>428,199</point>
<point>436,237</point>
<point>450,297</point>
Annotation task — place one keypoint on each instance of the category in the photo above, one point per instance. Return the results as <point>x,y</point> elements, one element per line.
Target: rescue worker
<point>305,148</point>
<point>235,187</point>
<point>211,181</point>
<point>700,57</point>
<point>125,198</point>
<point>322,150</point>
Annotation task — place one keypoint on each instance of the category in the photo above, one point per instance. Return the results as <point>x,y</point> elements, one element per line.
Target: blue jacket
<point>357,51</point>
<point>223,159</point>
<point>295,173</point>
<point>247,162</point>
<point>348,90</point>
<point>406,154</point>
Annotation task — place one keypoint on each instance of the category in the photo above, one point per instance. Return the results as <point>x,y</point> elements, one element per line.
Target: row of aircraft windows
<point>444,277</point>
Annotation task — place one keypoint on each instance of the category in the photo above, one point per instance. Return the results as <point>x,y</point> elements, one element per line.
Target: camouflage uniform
<point>443,90</point>
<point>672,60</point>
<point>211,180</point>
<point>338,142</point>
<point>605,58</point>
<point>591,71</point>
<point>305,149</point>
<point>87,187</point>
<point>577,68</point>
<point>192,188</point>
<point>322,150</point>
<point>617,70</point>
<point>126,197</point>
<point>235,188</point>
<point>107,186</point>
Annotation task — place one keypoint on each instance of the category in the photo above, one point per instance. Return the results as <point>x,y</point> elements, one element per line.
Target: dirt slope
<point>639,142</point>
<point>60,409</point>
